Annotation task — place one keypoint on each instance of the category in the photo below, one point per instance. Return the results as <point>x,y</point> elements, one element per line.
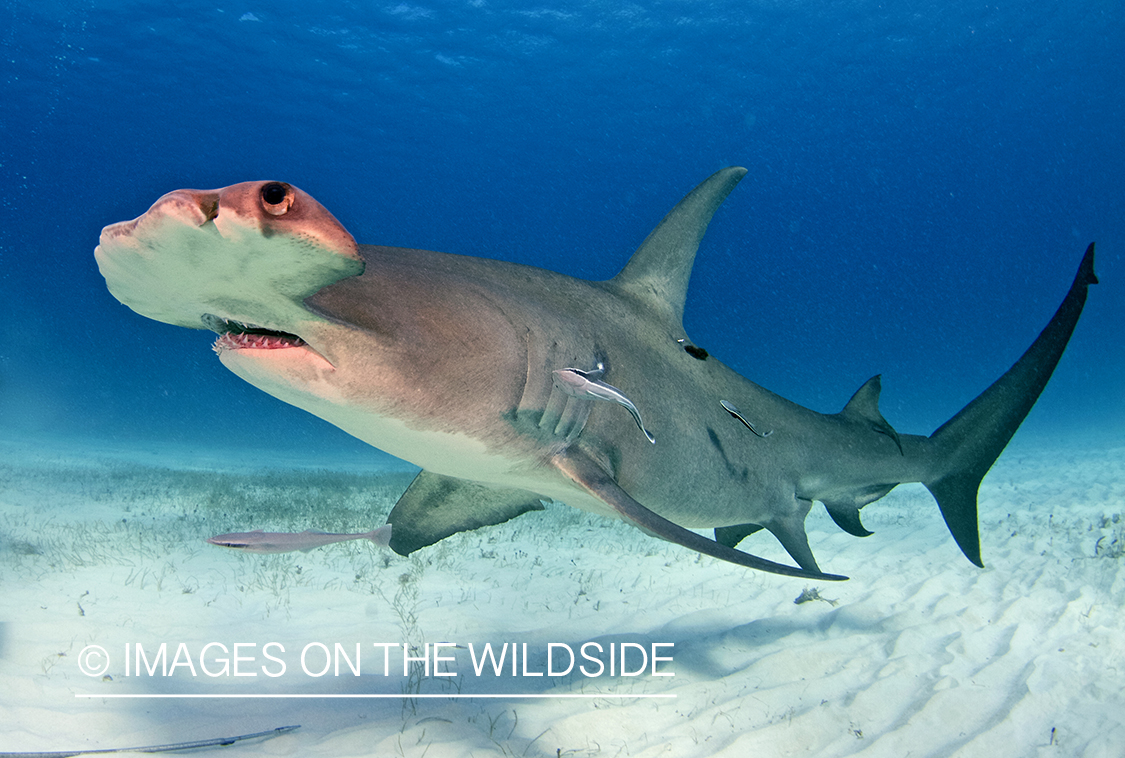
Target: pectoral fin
<point>434,507</point>
<point>594,479</point>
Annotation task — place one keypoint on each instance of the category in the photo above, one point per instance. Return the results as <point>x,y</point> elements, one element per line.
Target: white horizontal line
<point>370,696</point>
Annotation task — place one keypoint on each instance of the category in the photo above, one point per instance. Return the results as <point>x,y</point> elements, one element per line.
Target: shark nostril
<point>209,205</point>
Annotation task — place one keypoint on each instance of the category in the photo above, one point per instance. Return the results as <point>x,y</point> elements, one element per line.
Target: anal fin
<point>435,507</point>
<point>846,516</point>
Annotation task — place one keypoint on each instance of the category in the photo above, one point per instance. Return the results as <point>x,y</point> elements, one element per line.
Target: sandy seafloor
<point>919,654</point>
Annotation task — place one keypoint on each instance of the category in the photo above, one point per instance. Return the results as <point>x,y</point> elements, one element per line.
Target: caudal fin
<point>970,442</point>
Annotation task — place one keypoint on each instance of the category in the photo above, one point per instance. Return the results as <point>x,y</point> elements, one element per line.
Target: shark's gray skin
<point>448,362</point>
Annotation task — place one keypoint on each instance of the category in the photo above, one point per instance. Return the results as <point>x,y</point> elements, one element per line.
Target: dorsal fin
<point>864,405</point>
<point>659,270</point>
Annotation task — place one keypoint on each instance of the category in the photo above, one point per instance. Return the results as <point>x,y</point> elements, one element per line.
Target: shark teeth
<point>235,335</point>
<point>233,341</point>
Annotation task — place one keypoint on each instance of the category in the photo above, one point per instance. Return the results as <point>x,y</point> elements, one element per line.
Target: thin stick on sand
<point>195,745</point>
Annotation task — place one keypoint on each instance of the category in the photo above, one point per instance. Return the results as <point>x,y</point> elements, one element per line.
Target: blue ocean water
<point>924,178</point>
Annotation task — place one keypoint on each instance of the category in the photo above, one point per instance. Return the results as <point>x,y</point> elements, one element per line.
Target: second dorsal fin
<point>864,406</point>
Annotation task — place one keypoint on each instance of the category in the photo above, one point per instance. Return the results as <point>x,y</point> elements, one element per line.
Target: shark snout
<point>192,208</point>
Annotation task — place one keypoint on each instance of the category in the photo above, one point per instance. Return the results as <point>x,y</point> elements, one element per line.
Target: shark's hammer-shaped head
<point>239,261</point>
<point>284,286</point>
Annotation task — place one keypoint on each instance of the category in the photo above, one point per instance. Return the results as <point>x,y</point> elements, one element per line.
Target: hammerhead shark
<point>493,377</point>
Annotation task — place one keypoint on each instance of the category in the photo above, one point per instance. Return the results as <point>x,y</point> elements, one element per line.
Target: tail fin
<point>970,442</point>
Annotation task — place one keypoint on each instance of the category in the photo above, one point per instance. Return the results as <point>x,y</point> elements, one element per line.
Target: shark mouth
<point>235,335</point>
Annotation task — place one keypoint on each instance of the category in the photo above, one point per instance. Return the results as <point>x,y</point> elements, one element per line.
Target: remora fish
<point>587,384</point>
<point>448,362</point>
<point>258,541</point>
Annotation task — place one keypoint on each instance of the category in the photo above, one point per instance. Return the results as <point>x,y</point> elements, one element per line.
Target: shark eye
<point>277,198</point>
